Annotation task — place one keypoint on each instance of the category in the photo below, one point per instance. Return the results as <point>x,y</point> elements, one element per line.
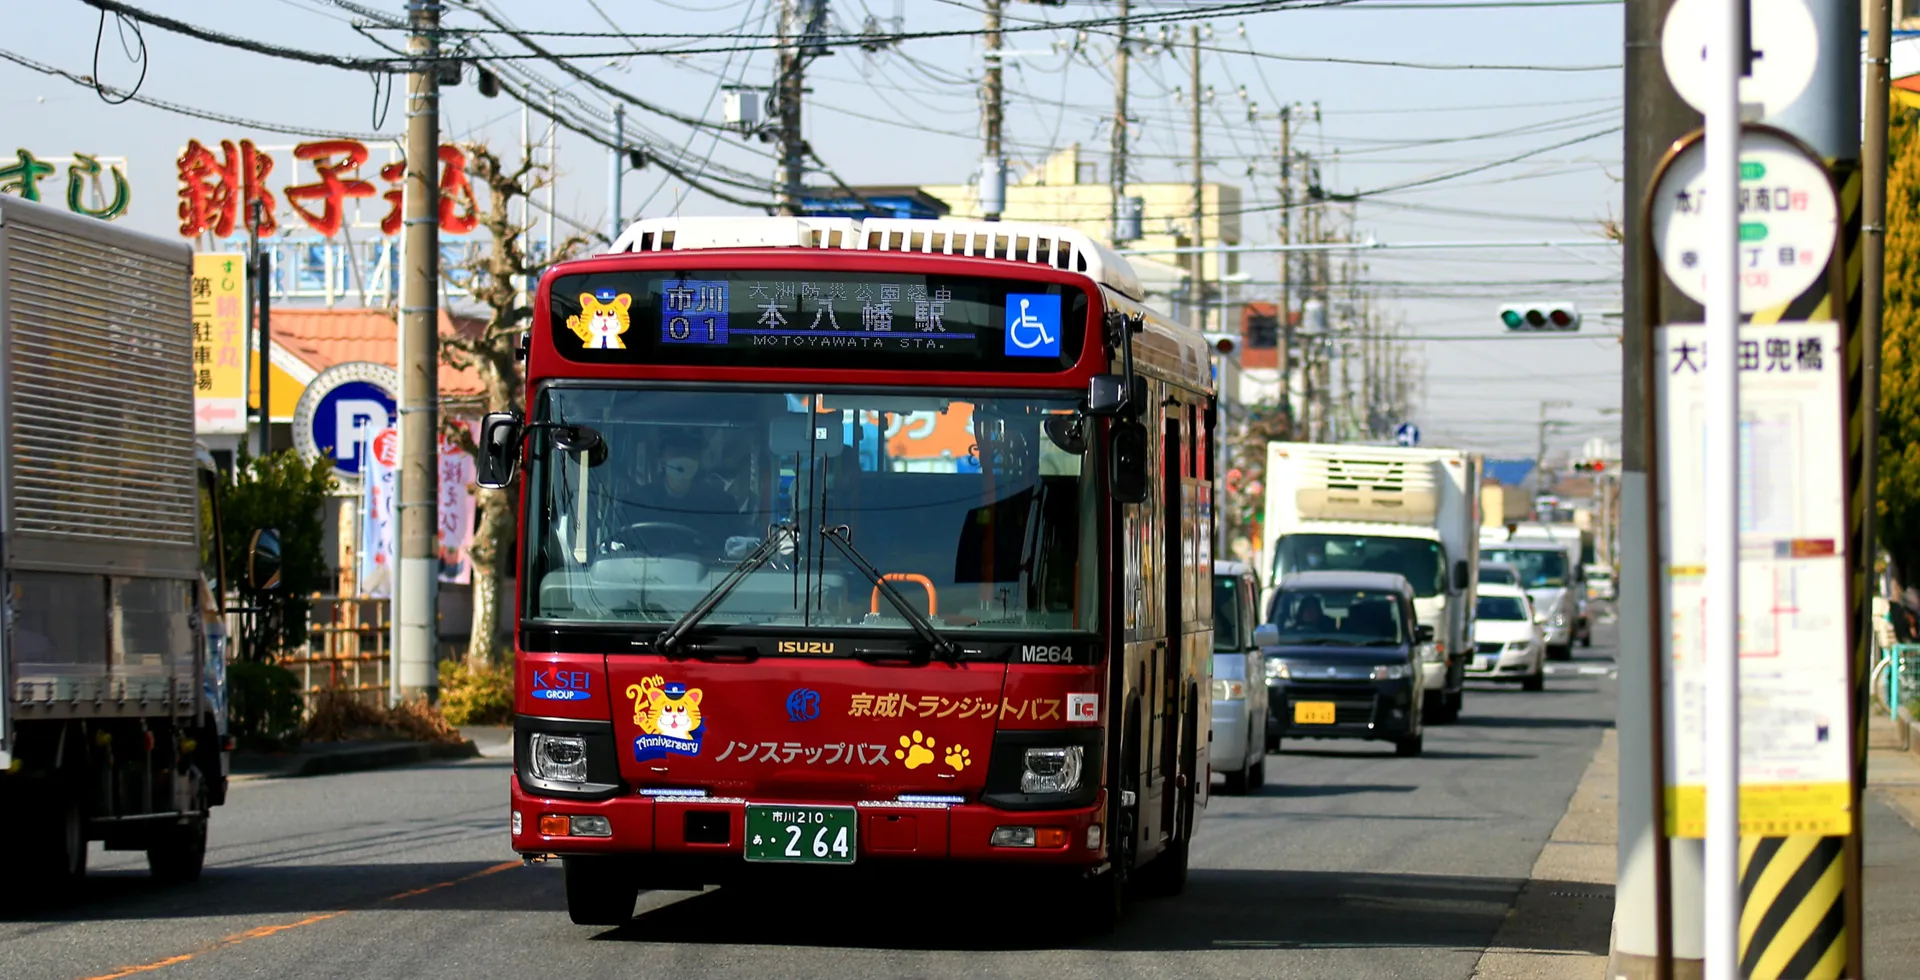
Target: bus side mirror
<point>1460,575</point>
<point>1127,462</point>
<point>1266,635</point>
<point>499,451</point>
<point>1107,395</point>
<point>263,561</point>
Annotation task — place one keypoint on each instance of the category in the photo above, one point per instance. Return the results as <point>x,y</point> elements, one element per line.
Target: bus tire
<point>1166,875</point>
<point>600,891</point>
<point>1260,773</point>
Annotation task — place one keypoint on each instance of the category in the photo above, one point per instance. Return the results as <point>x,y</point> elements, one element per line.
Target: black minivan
<point>1342,653</point>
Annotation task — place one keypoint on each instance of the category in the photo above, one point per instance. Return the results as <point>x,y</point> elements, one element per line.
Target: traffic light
<point>1590,466</point>
<point>1523,317</point>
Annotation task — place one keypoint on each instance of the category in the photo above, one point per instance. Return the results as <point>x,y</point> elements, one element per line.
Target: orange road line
<point>261,932</point>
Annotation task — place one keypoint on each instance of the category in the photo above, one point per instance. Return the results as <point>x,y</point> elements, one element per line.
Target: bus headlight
<point>1277,670</point>
<point>1054,770</point>
<point>560,758</point>
<point>1229,690</point>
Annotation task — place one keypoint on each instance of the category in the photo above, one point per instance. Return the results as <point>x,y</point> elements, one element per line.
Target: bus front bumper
<point>709,830</point>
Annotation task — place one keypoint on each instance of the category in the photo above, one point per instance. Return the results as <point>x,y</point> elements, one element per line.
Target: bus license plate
<point>1313,712</point>
<point>802,834</point>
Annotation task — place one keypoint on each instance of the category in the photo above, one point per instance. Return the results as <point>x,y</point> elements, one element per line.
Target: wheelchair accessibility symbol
<point>1033,325</point>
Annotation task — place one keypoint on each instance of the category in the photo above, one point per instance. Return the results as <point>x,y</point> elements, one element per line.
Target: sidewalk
<point>1891,869</point>
<point>1570,891</point>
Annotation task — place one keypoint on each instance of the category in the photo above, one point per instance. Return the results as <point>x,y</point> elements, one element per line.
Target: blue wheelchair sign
<point>1407,434</point>
<point>1033,325</point>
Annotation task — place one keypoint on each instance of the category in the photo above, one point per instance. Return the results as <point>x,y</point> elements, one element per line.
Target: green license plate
<point>802,834</point>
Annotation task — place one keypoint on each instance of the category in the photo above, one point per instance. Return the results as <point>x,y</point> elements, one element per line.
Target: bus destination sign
<point>818,319</point>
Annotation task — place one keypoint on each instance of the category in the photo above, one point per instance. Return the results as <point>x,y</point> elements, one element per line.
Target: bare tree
<point>493,279</point>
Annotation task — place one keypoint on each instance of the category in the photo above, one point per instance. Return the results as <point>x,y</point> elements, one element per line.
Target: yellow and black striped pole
<point>1800,895</point>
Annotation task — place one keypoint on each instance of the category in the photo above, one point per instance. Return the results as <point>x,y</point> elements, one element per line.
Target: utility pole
<point>616,171</point>
<point>1118,175</point>
<point>1658,900</point>
<point>798,20</point>
<point>263,321</point>
<point>417,629</point>
<point>1286,263</point>
<point>993,165</point>
<point>1197,284</point>
<point>1540,485</point>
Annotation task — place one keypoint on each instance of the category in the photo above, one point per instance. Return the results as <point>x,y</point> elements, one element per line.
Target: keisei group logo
<point>554,684</point>
<point>803,704</point>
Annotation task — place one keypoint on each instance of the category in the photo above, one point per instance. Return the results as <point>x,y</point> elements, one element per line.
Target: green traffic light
<point>1511,318</point>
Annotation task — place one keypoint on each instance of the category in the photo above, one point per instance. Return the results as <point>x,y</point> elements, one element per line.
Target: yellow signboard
<point>219,343</point>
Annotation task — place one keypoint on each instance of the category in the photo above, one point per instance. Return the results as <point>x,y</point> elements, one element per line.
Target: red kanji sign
<point>339,180</point>
<point>216,191</point>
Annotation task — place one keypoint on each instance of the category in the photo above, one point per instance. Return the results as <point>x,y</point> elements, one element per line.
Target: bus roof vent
<point>1049,245</point>
<point>1349,485</point>
<point>684,234</point>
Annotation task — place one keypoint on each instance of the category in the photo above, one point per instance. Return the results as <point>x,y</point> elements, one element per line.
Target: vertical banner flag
<point>219,343</point>
<point>457,474</point>
<point>379,485</point>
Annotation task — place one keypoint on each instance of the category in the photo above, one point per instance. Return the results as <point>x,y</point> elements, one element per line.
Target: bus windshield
<point>970,507</point>
<point>1422,562</point>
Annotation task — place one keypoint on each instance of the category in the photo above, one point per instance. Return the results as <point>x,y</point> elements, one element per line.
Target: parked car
<point>1239,748</point>
<point>1507,644</point>
<point>1499,573</point>
<point>1343,652</point>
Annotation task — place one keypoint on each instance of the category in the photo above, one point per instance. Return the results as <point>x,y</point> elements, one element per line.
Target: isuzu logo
<point>805,646</point>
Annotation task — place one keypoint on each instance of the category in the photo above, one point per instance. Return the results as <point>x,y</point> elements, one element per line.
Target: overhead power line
<point>246,44</point>
<point>185,110</point>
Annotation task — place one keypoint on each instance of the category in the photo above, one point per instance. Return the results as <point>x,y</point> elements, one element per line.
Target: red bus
<point>871,543</point>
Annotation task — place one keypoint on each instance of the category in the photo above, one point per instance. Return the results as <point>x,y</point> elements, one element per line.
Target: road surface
<point>1350,863</point>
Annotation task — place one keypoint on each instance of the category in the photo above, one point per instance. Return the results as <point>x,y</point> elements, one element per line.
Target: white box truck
<point>1385,509</point>
<point>112,645</point>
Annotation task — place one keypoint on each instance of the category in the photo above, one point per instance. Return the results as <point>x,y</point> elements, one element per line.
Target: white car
<point>1239,749</point>
<point>1507,643</point>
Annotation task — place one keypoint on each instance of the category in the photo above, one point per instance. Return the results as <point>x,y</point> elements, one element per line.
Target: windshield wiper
<point>670,639</point>
<point>842,538</point>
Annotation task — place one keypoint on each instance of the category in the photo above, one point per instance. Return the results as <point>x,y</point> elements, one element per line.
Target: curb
<point>371,757</point>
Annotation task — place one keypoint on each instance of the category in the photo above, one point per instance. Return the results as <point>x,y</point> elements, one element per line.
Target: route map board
<point>1795,769</point>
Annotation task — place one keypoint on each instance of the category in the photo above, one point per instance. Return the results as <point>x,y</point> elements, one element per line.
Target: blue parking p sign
<point>1033,325</point>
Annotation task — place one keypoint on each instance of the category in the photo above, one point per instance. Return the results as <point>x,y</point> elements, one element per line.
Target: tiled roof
<point>325,337</point>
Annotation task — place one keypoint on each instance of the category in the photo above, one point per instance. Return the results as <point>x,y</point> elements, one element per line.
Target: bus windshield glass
<point>1539,567</point>
<point>969,508</point>
<point>1423,563</point>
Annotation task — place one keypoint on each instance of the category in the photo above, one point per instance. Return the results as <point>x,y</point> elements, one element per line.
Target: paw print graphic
<point>958,757</point>
<point>916,751</point>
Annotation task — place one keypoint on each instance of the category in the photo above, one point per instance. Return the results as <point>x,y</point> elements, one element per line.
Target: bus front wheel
<point>600,891</point>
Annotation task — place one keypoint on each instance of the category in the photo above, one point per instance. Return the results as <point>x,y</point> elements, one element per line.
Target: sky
<point>1441,87</point>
